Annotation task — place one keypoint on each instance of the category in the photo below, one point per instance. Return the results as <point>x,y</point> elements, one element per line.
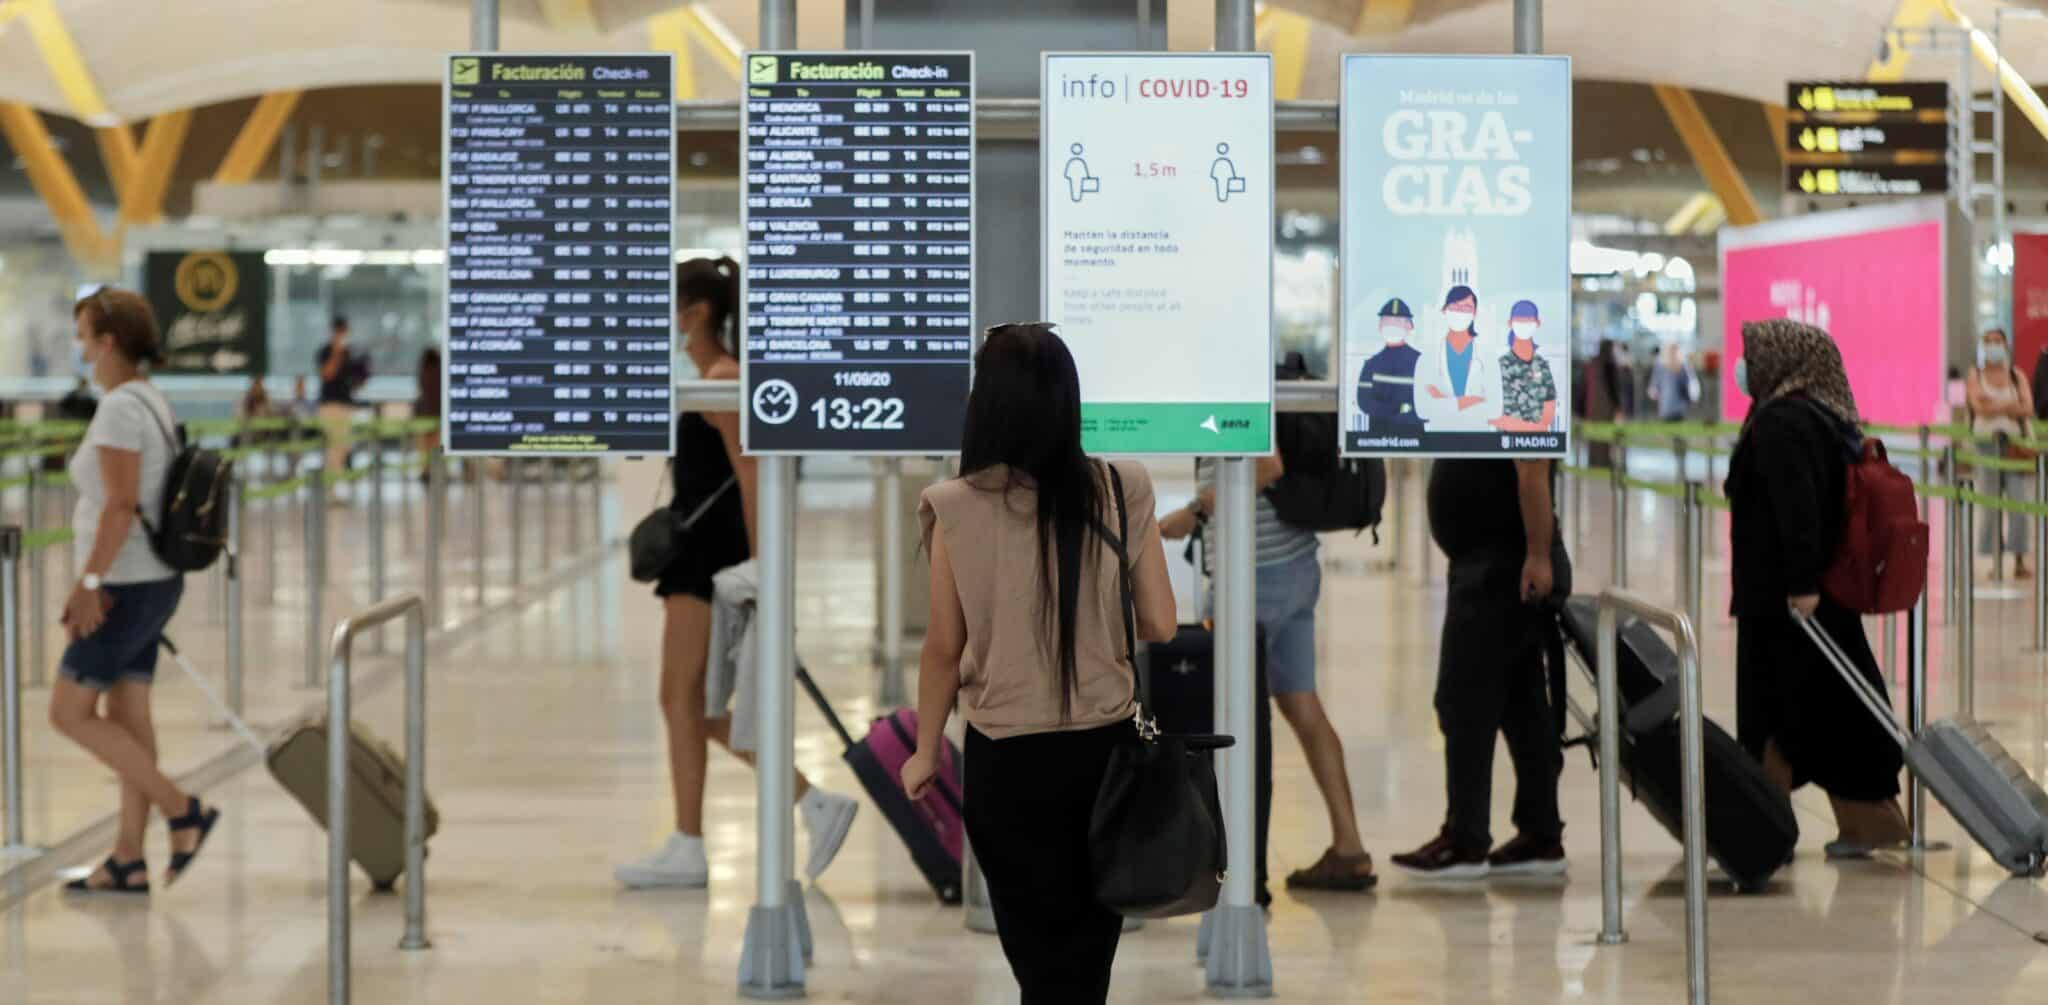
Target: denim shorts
<point>123,649</point>
<point>1287,595</point>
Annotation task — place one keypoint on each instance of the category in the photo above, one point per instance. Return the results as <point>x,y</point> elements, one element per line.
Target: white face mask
<point>1460,321</point>
<point>1524,329</point>
<point>1394,334</point>
<point>1993,353</point>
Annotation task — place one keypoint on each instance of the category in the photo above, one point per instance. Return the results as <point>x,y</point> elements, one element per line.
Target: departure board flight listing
<point>1157,237</point>
<point>859,277</point>
<point>559,195</point>
<point>1456,303</point>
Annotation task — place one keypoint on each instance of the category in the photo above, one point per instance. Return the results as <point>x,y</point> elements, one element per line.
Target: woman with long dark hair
<point>1793,712</point>
<point>708,467</point>
<point>1027,633</point>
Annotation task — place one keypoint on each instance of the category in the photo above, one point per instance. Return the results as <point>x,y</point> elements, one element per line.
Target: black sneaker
<point>1440,859</point>
<point>1525,857</point>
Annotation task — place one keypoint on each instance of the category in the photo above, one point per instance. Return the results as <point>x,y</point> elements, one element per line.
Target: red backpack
<point>1880,565</point>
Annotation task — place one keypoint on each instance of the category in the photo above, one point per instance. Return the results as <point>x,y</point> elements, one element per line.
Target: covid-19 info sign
<point>1456,274</point>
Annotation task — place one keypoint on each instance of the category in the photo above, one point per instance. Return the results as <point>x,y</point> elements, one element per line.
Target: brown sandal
<point>1348,873</point>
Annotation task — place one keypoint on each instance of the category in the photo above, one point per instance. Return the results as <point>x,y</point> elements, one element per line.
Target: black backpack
<point>194,529</point>
<point>1320,490</point>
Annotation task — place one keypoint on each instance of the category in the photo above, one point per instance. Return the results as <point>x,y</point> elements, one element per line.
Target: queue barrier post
<point>1618,493</point>
<point>1953,556</point>
<point>10,692</point>
<point>1916,717</point>
<point>316,572</point>
<point>1966,603</point>
<point>1692,760</point>
<point>437,519</point>
<point>379,573</point>
<point>340,710</point>
<point>2040,548</point>
<point>38,589</point>
<point>232,572</point>
<point>893,690</point>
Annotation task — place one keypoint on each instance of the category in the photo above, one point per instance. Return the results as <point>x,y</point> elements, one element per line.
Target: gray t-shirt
<point>124,421</point>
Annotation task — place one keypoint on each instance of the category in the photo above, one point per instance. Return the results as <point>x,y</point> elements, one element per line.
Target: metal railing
<point>1692,775</point>
<point>340,708</point>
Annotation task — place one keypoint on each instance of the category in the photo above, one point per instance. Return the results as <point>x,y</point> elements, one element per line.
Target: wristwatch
<point>91,581</point>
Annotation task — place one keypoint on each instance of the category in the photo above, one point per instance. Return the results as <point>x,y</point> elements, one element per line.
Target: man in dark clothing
<point>1508,567</point>
<point>1386,383</point>
<point>340,373</point>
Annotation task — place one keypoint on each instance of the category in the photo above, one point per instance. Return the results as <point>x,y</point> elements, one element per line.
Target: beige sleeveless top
<point>1009,673</point>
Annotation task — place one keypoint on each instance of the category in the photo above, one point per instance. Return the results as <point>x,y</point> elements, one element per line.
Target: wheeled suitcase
<point>1983,787</point>
<point>376,792</point>
<point>1184,700</point>
<point>298,760</point>
<point>933,829</point>
<point>1751,830</point>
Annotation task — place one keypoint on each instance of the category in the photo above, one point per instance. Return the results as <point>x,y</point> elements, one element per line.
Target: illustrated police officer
<point>1386,384</point>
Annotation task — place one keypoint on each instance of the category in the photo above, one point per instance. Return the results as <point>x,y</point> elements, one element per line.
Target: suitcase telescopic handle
<point>803,678</point>
<point>1879,705</point>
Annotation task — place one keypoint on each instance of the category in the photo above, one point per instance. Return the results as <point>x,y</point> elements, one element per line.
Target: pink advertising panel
<point>2029,298</point>
<point>1878,291</point>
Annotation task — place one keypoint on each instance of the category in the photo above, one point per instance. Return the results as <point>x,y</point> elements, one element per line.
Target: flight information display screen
<point>859,279</point>
<point>559,189</point>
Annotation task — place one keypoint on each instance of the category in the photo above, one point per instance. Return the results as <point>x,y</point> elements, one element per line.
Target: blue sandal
<point>197,817</point>
<point>119,874</point>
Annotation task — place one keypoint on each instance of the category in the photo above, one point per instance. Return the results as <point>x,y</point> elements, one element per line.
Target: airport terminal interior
<point>264,173</point>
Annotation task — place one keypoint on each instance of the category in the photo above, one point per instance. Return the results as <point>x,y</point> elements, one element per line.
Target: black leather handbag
<point>658,536</point>
<point>1156,842</point>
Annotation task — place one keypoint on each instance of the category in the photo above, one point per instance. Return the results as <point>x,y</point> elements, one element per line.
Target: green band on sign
<point>1176,428</point>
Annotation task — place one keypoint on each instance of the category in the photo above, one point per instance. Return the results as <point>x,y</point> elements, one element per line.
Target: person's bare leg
<point>128,707</point>
<point>1873,824</point>
<point>1325,751</point>
<point>720,731</point>
<point>1776,768</point>
<point>685,636</point>
<point>73,712</point>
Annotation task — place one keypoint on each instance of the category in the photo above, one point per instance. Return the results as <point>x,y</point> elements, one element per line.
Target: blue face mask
<point>1742,376</point>
<point>1993,354</point>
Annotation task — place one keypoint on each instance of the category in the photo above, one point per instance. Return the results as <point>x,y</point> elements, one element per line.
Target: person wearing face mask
<point>1528,391</point>
<point>710,473</point>
<point>1462,393</point>
<point>2001,404</point>
<point>1386,383</point>
<point>1793,713</point>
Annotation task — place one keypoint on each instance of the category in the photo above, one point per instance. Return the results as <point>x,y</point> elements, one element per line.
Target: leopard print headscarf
<point>1788,357</point>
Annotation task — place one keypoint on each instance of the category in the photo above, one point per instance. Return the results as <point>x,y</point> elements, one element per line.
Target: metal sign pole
<point>378,573</point>
<point>1240,960</point>
<point>437,521</point>
<point>1966,607</point>
<point>238,523</point>
<point>38,590</point>
<point>515,484</point>
<point>771,957</point>
<point>316,572</point>
<point>547,514</point>
<point>477,476</point>
<point>890,567</point>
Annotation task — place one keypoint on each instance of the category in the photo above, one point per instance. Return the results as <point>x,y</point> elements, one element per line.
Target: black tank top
<point>701,470</point>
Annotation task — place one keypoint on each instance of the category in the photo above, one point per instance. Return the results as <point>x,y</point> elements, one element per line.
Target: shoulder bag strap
<point>705,506</point>
<point>1127,602</point>
<point>170,437</point>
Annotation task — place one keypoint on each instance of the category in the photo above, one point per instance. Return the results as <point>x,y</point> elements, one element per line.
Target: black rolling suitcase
<point>1750,827</point>
<point>1184,691</point>
<point>933,829</point>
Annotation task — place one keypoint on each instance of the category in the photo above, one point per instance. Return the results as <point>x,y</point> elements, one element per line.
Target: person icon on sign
<point>1080,181</point>
<point>1224,173</point>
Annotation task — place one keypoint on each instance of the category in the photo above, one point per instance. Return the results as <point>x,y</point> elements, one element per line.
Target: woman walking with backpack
<point>1027,632</point>
<point>1794,713</point>
<point>115,615</point>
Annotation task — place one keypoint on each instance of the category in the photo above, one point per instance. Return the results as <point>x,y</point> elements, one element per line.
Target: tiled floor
<point>547,767</point>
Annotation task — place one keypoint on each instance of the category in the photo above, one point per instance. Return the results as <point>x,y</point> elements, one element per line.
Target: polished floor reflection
<point>547,767</point>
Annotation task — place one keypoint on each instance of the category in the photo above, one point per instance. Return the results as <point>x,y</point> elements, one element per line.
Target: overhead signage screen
<point>1868,180</point>
<point>1456,301</point>
<point>1822,99</point>
<point>559,188</point>
<point>1157,237</point>
<point>859,277</point>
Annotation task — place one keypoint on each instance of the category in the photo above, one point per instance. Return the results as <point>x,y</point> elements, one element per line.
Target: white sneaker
<point>828,816</point>
<point>679,863</point>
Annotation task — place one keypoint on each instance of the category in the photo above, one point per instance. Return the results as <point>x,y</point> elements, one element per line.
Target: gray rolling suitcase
<point>1987,791</point>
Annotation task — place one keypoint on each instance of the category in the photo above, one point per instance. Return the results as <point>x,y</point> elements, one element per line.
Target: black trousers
<point>1787,693</point>
<point>1029,799</point>
<point>1490,680</point>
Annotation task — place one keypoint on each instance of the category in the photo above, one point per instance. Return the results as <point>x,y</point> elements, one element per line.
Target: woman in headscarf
<point>1794,713</point>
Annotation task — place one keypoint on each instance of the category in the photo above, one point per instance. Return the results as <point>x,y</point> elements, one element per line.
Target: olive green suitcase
<point>376,807</point>
<point>298,760</point>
